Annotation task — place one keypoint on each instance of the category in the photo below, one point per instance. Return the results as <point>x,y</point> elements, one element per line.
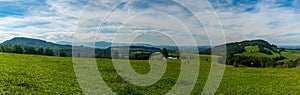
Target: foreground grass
<point>21,74</point>
<point>33,74</point>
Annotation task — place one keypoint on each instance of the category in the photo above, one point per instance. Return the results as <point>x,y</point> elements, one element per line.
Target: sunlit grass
<point>33,74</point>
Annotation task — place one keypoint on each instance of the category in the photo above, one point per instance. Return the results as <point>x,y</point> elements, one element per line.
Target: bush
<point>62,53</point>
<point>29,50</point>
<point>49,52</point>
<point>17,49</point>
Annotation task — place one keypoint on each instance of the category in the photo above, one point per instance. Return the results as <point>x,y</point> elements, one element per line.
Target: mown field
<point>34,74</point>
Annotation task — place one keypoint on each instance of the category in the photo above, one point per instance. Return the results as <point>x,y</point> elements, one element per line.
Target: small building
<point>172,58</point>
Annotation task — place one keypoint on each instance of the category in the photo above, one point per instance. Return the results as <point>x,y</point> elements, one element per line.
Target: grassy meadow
<point>254,50</point>
<point>34,74</point>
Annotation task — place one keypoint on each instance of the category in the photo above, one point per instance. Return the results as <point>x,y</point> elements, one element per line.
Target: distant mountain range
<point>22,41</point>
<point>36,43</point>
<point>289,46</point>
<point>105,45</point>
<point>101,44</point>
<point>232,48</point>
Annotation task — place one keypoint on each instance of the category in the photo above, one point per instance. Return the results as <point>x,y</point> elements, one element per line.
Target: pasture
<point>34,74</point>
<point>254,51</point>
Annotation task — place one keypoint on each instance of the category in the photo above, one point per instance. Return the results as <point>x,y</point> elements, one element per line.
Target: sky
<point>184,22</point>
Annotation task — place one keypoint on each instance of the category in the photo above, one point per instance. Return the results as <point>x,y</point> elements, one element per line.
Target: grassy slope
<point>35,74</point>
<point>254,51</point>
<point>26,74</point>
<point>291,54</point>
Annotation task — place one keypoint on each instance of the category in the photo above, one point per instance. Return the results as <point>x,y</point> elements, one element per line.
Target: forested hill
<point>253,46</point>
<point>36,43</point>
<point>256,53</point>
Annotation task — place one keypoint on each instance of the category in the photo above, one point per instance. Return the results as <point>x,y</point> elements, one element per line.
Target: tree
<point>62,53</point>
<point>40,51</point>
<point>17,49</point>
<point>29,50</point>
<point>6,49</point>
<point>165,52</point>
<point>49,52</point>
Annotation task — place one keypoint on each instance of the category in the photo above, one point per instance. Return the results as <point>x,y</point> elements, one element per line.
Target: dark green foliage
<point>252,61</point>
<point>29,50</point>
<point>17,49</point>
<point>263,50</point>
<point>40,51</point>
<point>291,63</point>
<point>165,52</point>
<point>271,63</point>
<point>279,58</point>
<point>62,53</point>
<point>131,52</point>
<point>102,53</point>
<point>49,52</point>
<point>239,47</point>
<point>6,49</point>
<point>140,56</point>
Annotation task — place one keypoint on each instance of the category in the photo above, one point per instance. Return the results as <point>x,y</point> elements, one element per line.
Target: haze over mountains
<point>232,48</point>
<point>36,43</point>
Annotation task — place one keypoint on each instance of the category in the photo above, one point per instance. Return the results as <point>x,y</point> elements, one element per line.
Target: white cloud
<point>57,21</point>
<point>270,23</point>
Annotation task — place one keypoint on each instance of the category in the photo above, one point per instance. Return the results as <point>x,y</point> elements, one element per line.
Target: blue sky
<point>276,21</point>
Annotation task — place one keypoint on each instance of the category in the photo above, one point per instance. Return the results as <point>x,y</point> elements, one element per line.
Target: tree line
<point>139,55</point>
<point>31,50</point>
<point>252,61</point>
<point>135,52</point>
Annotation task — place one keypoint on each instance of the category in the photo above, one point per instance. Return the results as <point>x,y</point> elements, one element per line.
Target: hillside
<point>249,48</point>
<point>257,53</point>
<point>37,43</point>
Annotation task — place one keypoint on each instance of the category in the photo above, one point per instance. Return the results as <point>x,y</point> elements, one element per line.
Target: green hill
<point>256,53</point>
<point>36,43</point>
<point>258,48</point>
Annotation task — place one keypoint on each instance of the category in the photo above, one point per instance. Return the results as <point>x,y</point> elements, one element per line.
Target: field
<point>291,54</point>
<point>254,50</point>
<point>33,74</point>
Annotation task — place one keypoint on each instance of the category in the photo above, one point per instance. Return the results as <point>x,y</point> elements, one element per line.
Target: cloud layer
<point>56,20</point>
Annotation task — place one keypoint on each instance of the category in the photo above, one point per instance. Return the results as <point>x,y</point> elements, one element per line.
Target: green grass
<point>33,74</point>
<point>257,81</point>
<point>254,51</point>
<point>252,48</point>
<point>21,74</point>
<point>291,54</point>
